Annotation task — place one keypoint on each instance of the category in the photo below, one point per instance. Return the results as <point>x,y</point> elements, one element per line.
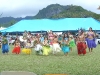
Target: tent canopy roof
<point>54,25</point>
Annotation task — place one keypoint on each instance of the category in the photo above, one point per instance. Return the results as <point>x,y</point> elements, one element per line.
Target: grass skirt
<point>81,47</point>
<point>5,48</point>
<point>91,43</point>
<point>46,50</point>
<point>16,50</point>
<point>56,48</point>
<point>26,51</point>
<point>65,49</point>
<point>72,43</point>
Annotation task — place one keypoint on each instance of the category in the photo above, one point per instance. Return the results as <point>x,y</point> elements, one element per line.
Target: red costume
<point>81,47</point>
<point>16,49</point>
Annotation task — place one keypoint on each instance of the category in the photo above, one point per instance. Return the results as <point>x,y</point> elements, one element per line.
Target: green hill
<point>50,10</point>
<point>56,11</point>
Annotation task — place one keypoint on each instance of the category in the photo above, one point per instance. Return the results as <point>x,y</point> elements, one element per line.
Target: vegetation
<point>8,21</point>
<point>50,10</point>
<point>71,64</point>
<point>8,24</point>
<point>55,11</point>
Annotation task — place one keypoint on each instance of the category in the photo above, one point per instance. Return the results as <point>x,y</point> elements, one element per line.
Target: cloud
<point>22,8</point>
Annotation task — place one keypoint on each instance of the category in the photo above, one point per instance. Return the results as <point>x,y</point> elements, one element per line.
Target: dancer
<point>5,47</point>
<point>65,37</point>
<point>27,49</point>
<point>81,44</point>
<point>56,47</point>
<point>46,47</point>
<point>38,47</point>
<point>65,46</point>
<point>91,39</point>
<point>50,37</point>
<point>16,49</point>
<point>71,41</point>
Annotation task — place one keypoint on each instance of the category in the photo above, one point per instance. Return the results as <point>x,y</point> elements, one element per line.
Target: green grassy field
<point>71,64</point>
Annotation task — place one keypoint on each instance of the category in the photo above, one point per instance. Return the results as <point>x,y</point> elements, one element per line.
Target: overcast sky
<point>22,8</point>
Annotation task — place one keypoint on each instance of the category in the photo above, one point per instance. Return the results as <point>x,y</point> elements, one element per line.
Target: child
<point>38,47</point>
<point>16,49</point>
<point>71,43</point>
<point>5,47</point>
<point>65,46</point>
<point>56,46</point>
<point>46,47</point>
<point>27,49</point>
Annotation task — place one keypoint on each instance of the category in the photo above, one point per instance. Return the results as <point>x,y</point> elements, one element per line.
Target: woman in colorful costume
<point>81,44</point>
<point>65,46</point>
<point>91,39</point>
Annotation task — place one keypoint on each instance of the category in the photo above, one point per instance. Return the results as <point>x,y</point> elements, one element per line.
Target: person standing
<point>71,41</point>
<point>91,39</point>
<point>81,44</point>
<point>50,37</point>
<point>27,49</point>
<point>65,46</point>
<point>16,49</point>
<point>46,47</point>
<point>5,47</point>
<point>38,47</point>
<point>56,46</point>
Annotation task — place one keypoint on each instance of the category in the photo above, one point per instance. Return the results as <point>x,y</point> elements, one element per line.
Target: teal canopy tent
<point>54,25</point>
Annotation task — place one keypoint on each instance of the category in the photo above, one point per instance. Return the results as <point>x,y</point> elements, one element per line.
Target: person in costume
<point>60,38</point>
<point>65,37</point>
<point>56,47</point>
<point>81,44</point>
<point>65,46</point>
<point>38,47</point>
<point>16,49</point>
<point>5,47</point>
<point>71,41</point>
<point>50,37</point>
<point>27,49</point>
<point>41,38</point>
<point>46,47</point>
<point>91,40</point>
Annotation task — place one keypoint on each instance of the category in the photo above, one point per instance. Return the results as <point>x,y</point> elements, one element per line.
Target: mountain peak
<point>60,11</point>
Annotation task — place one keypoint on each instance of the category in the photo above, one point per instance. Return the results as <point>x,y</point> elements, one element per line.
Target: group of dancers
<point>52,43</point>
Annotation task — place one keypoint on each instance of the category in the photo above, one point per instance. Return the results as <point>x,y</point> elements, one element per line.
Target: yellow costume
<point>46,50</point>
<point>26,51</point>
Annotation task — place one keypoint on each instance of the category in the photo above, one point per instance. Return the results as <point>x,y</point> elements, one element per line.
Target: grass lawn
<point>71,64</point>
